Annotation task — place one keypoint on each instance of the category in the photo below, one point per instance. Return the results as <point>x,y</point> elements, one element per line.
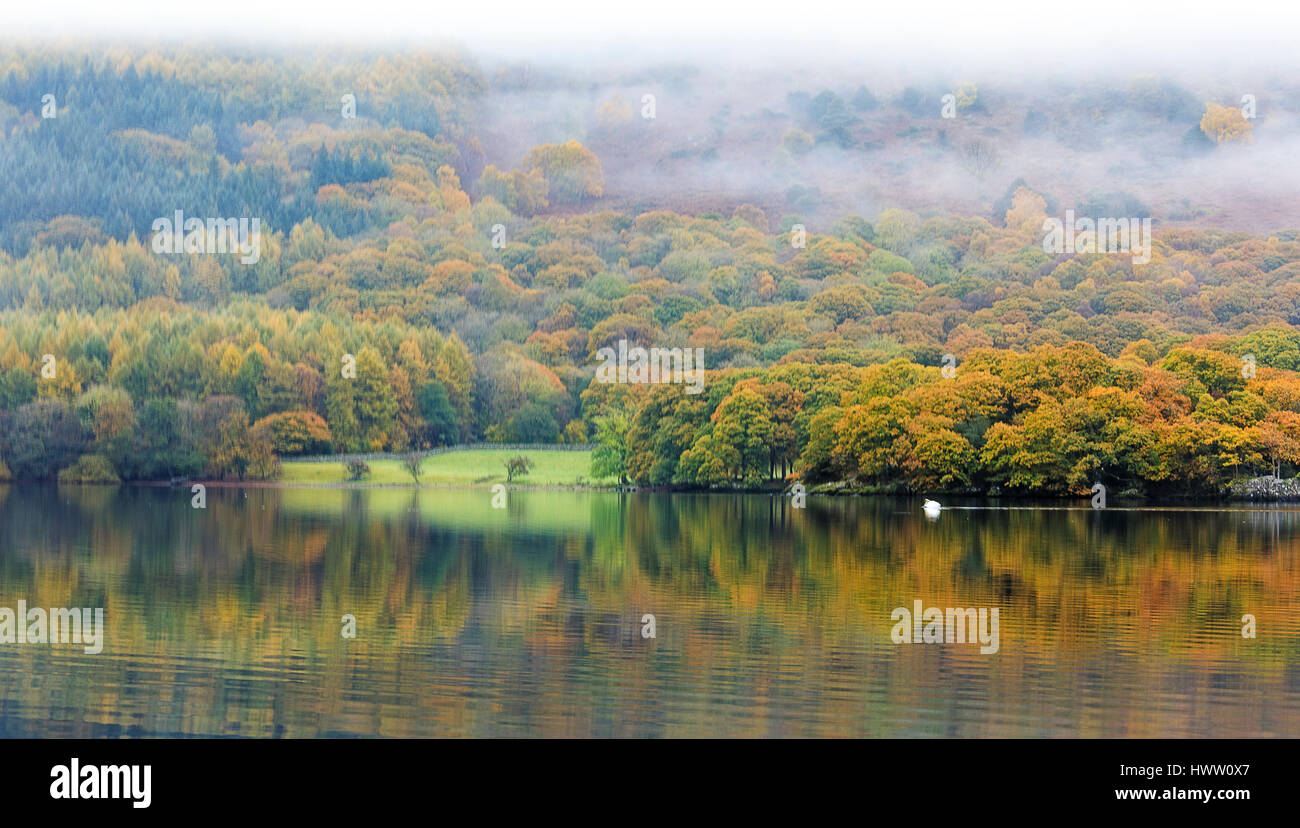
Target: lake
<point>529,620</point>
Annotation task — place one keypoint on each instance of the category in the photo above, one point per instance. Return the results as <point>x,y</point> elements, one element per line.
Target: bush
<point>90,468</point>
<point>357,469</point>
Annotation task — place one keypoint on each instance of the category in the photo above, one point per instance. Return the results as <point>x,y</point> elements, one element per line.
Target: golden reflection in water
<point>771,621</point>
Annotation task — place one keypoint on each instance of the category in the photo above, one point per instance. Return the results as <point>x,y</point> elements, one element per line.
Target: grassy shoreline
<point>460,469</point>
<point>558,468</point>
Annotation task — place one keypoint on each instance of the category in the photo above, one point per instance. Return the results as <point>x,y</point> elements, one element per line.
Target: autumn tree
<point>523,192</point>
<point>1225,124</point>
<point>240,453</point>
<point>572,171</point>
<point>295,432</point>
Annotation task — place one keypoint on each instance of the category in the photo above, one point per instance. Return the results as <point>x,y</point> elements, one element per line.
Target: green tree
<point>165,442</point>
<point>534,423</point>
<point>517,466</point>
<point>441,425</point>
<point>735,447</point>
<point>609,458</point>
<point>17,386</point>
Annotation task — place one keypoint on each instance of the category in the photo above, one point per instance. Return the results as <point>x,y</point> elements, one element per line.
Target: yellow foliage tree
<point>614,113</point>
<point>573,171</point>
<point>1027,213</point>
<point>1224,124</point>
<point>63,385</point>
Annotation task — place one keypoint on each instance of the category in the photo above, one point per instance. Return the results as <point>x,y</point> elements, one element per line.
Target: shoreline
<point>960,501</point>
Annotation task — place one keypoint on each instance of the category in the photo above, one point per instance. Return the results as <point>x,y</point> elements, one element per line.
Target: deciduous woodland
<point>471,290</point>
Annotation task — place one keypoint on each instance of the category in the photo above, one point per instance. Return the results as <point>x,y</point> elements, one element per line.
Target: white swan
<point>931,508</point>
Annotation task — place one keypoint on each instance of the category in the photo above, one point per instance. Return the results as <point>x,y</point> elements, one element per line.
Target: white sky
<point>1009,28</point>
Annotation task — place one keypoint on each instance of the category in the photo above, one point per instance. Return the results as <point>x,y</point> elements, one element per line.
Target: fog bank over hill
<point>819,142</point>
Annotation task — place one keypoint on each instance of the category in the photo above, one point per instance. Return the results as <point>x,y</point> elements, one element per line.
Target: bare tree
<point>413,463</point>
<point>980,157</point>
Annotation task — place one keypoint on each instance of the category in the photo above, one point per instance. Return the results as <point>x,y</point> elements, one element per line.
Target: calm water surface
<point>771,621</point>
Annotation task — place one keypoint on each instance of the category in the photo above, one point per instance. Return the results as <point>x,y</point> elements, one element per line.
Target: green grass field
<point>478,467</point>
